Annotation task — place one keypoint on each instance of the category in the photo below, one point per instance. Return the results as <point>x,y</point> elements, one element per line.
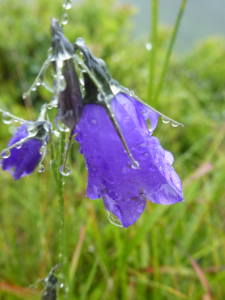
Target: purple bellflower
<point>23,153</point>
<point>126,164</point>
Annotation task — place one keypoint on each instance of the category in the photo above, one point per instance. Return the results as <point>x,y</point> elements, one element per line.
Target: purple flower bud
<point>70,103</point>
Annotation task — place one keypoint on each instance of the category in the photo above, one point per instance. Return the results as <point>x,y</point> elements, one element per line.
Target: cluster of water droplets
<point>67,4</point>
<point>166,120</point>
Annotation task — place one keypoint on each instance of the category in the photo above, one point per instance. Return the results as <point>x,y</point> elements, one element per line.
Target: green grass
<point>152,259</point>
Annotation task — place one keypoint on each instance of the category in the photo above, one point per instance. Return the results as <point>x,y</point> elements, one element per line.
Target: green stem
<point>62,238</point>
<point>154,27</point>
<point>169,50</point>
<point>56,163</point>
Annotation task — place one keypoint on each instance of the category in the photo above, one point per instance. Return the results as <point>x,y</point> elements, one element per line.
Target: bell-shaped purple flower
<point>25,156</point>
<point>111,175</point>
<point>126,164</point>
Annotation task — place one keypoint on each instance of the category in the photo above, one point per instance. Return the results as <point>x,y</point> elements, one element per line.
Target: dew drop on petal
<point>169,157</point>
<point>65,171</point>
<point>19,146</point>
<point>6,118</point>
<point>165,120</point>
<point>6,154</point>
<point>113,219</point>
<point>176,180</point>
<point>126,119</point>
<point>144,156</point>
<point>93,125</point>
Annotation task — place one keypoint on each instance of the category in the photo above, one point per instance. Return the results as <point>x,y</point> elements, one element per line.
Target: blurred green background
<point>171,252</point>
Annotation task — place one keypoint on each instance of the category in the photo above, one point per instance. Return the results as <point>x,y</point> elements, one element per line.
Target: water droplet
<point>65,19</point>
<point>6,118</point>
<point>174,124</point>
<point>34,88</point>
<point>61,286</point>
<point>6,154</point>
<point>126,119</point>
<point>135,166</point>
<point>113,219</point>
<point>47,126</point>
<point>100,97</point>
<point>38,82</point>
<point>61,126</point>
<point>54,101</point>
<point>141,148</point>
<point>148,46</point>
<point>67,5</point>
<point>169,157</point>
<point>66,171</point>
<point>56,133</point>
<point>165,120</point>
<point>81,78</point>
<point>91,248</point>
<point>49,105</point>
<point>41,168</point>
<point>42,150</point>
<point>62,83</point>
<point>25,95</point>
<point>176,180</point>
<point>19,146</point>
<point>93,125</point>
<point>144,156</point>
<point>32,129</point>
<point>50,52</point>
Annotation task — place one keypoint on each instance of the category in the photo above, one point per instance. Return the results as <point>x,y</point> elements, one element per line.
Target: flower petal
<point>23,161</point>
<point>111,176</point>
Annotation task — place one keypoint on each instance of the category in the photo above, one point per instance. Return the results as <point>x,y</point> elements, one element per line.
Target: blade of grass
<point>169,50</point>
<point>154,27</point>
<point>76,254</point>
<point>89,280</point>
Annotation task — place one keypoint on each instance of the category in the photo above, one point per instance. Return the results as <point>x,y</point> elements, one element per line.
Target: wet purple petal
<point>23,161</point>
<point>111,176</point>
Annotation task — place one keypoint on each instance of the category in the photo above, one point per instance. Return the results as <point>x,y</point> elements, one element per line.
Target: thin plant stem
<point>62,247</point>
<point>169,50</point>
<point>154,29</point>
<point>56,163</point>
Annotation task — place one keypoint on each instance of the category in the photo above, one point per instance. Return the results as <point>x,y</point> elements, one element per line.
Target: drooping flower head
<point>23,153</point>
<point>125,179</point>
<point>67,87</point>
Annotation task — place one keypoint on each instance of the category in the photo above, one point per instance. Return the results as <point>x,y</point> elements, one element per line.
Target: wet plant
<point>125,162</point>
